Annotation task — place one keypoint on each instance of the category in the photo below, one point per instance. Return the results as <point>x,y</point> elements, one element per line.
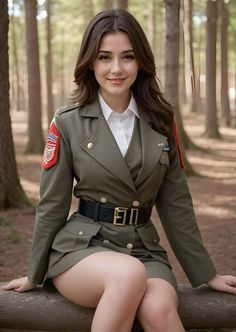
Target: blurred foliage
<point>69,20</point>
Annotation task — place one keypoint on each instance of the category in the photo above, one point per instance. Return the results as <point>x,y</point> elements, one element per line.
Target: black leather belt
<point>116,215</point>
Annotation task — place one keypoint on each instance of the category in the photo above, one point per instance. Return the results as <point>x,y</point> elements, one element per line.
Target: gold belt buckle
<point>133,219</point>
<point>120,213</point>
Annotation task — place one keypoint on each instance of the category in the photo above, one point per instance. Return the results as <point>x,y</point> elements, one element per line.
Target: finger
<point>231,281</point>
<point>3,287</point>
<point>11,285</point>
<point>8,286</point>
<point>228,289</point>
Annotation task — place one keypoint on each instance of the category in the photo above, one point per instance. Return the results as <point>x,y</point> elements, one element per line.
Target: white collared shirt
<point>120,124</point>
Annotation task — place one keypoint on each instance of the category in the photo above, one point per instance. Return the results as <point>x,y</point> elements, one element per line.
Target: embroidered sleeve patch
<point>51,149</point>
<point>181,159</point>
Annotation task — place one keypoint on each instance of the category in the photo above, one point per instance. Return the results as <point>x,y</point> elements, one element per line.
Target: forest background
<point>194,46</point>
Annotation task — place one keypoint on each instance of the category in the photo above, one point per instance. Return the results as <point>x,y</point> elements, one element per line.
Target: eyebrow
<point>109,52</point>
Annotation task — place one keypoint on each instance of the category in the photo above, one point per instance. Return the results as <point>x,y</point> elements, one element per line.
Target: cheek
<point>99,71</point>
<point>134,73</point>
<point>133,70</point>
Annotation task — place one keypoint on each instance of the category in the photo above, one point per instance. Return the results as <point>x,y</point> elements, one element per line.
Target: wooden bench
<point>42,309</point>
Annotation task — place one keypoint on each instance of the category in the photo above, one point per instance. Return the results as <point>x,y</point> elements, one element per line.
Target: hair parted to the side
<point>145,89</point>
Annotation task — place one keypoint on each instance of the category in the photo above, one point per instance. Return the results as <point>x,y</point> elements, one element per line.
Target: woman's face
<point>115,67</point>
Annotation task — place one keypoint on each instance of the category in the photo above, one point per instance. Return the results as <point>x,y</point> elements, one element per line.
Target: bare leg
<point>158,309</point>
<point>112,282</point>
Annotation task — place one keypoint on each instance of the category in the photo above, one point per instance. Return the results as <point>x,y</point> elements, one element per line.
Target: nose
<point>116,67</point>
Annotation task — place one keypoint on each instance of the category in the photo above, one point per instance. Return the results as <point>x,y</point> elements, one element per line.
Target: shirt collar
<point>107,111</point>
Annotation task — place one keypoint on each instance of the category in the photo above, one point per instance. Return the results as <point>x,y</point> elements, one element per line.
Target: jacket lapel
<point>152,146</point>
<point>101,145</point>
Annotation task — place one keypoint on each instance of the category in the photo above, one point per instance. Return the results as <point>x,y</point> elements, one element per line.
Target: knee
<point>160,316</point>
<point>130,278</point>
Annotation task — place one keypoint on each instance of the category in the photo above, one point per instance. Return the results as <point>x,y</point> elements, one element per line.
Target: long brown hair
<point>145,89</point>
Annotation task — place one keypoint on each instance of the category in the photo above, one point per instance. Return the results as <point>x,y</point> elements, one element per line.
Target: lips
<point>116,81</point>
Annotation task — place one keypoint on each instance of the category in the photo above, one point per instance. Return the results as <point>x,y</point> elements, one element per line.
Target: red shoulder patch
<point>181,159</point>
<point>51,149</point>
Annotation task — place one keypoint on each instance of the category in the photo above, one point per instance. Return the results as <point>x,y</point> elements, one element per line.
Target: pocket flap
<point>164,159</point>
<point>76,234</point>
<point>78,224</point>
<point>149,237</point>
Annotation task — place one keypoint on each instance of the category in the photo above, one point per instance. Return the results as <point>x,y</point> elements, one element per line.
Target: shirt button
<point>129,246</point>
<point>90,146</point>
<point>136,203</point>
<point>81,233</point>
<point>103,200</point>
<point>106,241</point>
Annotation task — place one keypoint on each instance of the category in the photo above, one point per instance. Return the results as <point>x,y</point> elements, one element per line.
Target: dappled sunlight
<point>217,212</point>
<point>217,160</point>
<point>221,206</point>
<point>229,181</point>
<point>215,145</point>
<point>218,175</point>
<point>31,188</point>
<point>29,158</point>
<point>228,131</point>
<point>210,162</point>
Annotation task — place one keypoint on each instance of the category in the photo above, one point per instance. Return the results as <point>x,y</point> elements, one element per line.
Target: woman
<point>118,143</point>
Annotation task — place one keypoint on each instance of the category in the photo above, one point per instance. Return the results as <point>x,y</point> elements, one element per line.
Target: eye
<point>103,57</point>
<point>129,57</point>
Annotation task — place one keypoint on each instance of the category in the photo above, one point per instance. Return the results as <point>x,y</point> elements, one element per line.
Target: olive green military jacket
<point>89,155</point>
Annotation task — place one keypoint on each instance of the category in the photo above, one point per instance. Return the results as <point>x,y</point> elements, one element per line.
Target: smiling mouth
<point>116,80</point>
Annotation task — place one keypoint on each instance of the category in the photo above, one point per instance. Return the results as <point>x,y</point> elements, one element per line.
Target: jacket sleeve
<point>175,209</point>
<point>52,209</point>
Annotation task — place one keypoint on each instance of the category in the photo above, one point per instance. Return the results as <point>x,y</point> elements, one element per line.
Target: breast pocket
<point>76,234</point>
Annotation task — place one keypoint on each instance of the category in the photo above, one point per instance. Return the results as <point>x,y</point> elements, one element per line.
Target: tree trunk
<point>15,61</point>
<point>108,4</point>
<point>11,192</point>
<point>35,133</point>
<point>182,82</point>
<point>172,66</point>
<point>122,4</point>
<point>211,129</point>
<point>152,25</point>
<point>225,108</point>
<point>88,10</point>
<point>50,102</point>
<point>62,71</point>
<point>190,79</point>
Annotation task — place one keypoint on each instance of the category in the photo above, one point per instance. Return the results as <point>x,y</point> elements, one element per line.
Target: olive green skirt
<point>81,237</point>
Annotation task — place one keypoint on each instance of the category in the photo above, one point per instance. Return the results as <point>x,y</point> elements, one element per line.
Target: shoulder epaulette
<point>66,108</point>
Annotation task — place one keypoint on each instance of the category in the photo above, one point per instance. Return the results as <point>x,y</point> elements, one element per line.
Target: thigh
<point>161,270</point>
<point>85,282</point>
<point>160,290</point>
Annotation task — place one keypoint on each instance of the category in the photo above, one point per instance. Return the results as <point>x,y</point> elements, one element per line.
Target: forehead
<point>115,41</point>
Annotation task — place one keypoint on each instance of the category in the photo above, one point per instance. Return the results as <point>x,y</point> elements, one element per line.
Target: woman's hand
<point>20,285</point>
<point>223,283</point>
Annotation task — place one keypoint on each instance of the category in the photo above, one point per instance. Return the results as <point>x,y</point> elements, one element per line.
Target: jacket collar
<point>92,110</point>
<point>106,152</point>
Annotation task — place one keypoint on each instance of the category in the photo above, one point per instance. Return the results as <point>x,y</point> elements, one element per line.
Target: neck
<point>116,103</point>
